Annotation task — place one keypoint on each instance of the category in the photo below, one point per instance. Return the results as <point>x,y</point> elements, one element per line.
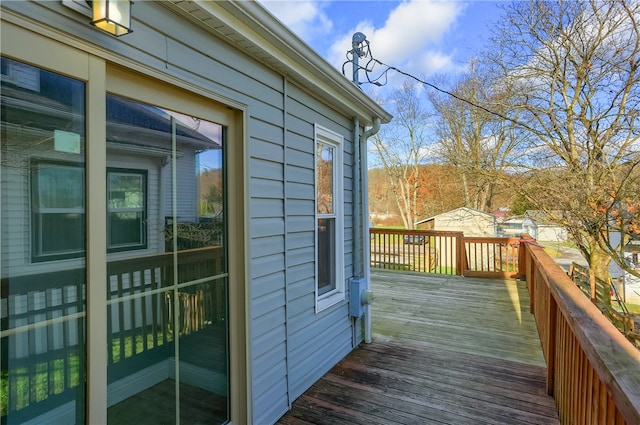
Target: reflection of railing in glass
<point>145,285</point>
<point>140,324</point>
<point>206,232</point>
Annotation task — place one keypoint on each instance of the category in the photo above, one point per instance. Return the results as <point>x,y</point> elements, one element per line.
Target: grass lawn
<point>633,308</point>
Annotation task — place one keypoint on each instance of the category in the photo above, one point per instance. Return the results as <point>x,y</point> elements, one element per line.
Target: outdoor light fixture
<point>112,16</point>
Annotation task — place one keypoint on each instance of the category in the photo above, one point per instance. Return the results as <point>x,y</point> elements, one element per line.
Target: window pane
<point>60,232</point>
<point>59,186</point>
<point>57,210</point>
<point>126,204</point>
<point>174,292</point>
<point>324,178</point>
<point>326,255</point>
<point>126,191</point>
<point>41,219</point>
<point>125,229</point>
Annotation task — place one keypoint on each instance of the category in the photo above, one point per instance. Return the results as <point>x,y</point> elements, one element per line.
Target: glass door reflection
<point>167,300</point>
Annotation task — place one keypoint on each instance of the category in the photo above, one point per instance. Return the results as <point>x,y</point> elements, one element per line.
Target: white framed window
<point>329,218</point>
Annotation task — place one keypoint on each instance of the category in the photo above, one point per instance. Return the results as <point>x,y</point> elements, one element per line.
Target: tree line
<point>548,116</point>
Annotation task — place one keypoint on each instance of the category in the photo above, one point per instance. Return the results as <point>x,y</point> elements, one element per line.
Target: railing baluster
<point>110,357</point>
<point>143,310</point>
<point>120,307</point>
<point>155,300</point>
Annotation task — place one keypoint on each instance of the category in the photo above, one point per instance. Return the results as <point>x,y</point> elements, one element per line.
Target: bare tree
<point>575,67</point>
<point>401,148</point>
<point>481,145</point>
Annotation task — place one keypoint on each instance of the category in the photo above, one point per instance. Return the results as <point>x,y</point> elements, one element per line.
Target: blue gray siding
<point>291,345</point>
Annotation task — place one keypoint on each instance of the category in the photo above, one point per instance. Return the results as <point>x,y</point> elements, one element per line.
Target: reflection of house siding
<point>185,168</point>
<point>17,234</point>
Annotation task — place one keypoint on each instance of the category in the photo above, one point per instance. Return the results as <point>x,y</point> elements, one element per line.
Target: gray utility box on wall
<point>359,296</point>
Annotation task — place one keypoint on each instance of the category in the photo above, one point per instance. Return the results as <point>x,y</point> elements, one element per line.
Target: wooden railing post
<point>461,263</point>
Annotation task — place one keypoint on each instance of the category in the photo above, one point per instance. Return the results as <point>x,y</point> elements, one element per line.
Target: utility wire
<point>368,69</point>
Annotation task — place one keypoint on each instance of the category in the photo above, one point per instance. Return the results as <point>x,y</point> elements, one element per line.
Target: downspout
<point>357,241</point>
<point>361,154</point>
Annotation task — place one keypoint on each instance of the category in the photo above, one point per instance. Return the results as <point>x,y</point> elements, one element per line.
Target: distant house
<point>510,227</point>
<point>468,220</point>
<point>182,211</point>
<point>541,227</point>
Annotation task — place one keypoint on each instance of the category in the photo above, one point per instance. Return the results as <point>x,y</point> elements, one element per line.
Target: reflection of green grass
<point>134,345</point>
<point>4,392</point>
<point>37,382</point>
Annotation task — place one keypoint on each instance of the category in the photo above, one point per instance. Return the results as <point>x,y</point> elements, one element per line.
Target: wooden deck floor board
<point>501,383</point>
<point>446,350</point>
<point>467,374</point>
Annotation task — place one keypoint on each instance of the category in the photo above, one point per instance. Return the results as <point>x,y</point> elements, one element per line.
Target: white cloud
<point>411,38</point>
<point>305,18</point>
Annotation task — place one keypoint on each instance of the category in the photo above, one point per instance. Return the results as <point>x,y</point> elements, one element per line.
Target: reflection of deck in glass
<point>155,406</point>
<point>42,369</point>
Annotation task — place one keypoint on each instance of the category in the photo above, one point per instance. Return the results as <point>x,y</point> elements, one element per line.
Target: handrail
<point>593,371</point>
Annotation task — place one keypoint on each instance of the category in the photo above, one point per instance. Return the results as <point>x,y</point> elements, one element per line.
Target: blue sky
<point>421,37</point>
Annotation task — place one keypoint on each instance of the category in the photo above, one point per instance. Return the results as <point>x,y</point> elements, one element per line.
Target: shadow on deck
<point>445,350</point>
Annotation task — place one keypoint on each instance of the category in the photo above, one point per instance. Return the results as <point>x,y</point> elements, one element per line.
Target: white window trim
<point>328,137</point>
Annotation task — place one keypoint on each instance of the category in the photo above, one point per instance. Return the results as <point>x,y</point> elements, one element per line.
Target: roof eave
<point>249,26</point>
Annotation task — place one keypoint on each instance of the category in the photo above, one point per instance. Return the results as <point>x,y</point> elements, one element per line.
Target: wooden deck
<point>445,350</point>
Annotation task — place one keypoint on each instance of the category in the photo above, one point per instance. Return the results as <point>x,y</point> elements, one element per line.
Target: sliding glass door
<point>161,271</point>
<point>167,274</point>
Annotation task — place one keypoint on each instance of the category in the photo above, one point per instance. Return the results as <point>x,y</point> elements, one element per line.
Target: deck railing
<point>416,250</point>
<point>593,371</point>
<point>490,257</point>
<point>443,252</point>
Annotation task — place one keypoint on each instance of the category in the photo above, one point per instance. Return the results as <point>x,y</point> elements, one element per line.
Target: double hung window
<point>329,228</point>
<point>57,210</point>
<point>126,206</point>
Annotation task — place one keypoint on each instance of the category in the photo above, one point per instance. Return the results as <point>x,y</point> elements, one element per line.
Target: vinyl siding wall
<point>291,346</point>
